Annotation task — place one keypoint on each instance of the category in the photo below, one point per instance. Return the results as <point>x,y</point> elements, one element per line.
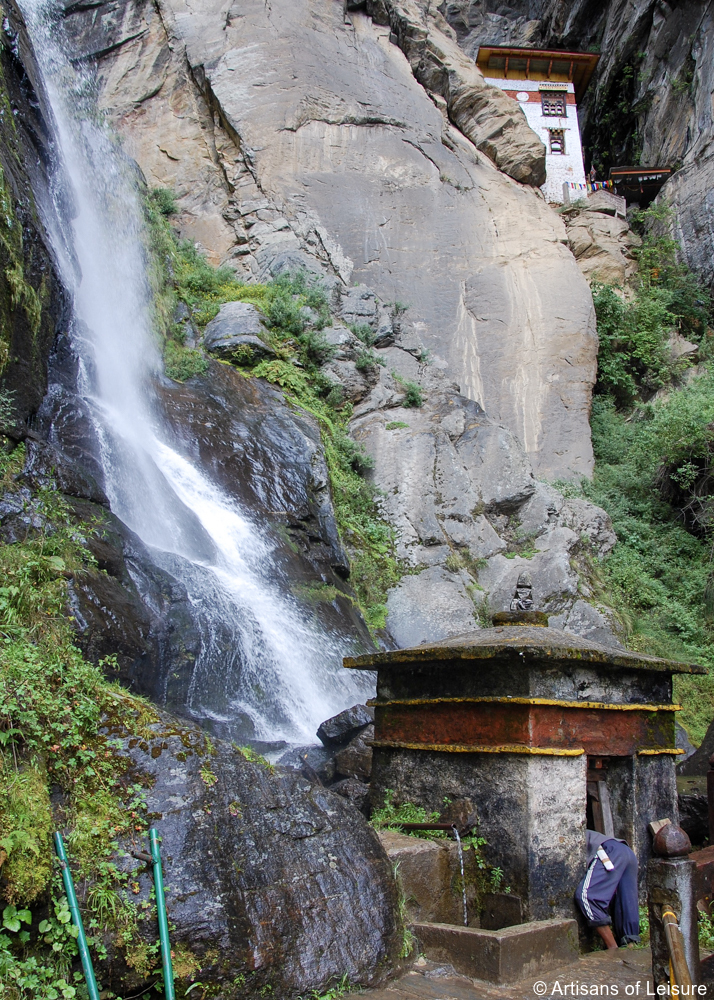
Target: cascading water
<point>258,655</point>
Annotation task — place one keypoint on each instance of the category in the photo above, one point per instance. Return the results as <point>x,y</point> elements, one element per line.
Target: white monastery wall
<point>559,167</point>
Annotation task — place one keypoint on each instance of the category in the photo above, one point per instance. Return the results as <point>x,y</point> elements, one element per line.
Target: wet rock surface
<point>343,727</point>
<point>33,304</point>
<point>271,881</point>
<point>265,456</point>
<point>356,791</point>
<point>694,810</point>
<point>430,876</point>
<point>355,760</point>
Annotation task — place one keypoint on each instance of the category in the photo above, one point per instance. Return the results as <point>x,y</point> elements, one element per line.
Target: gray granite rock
<point>590,622</point>
<point>356,791</point>
<point>429,606</point>
<point>493,121</point>
<point>237,331</point>
<point>355,760</point>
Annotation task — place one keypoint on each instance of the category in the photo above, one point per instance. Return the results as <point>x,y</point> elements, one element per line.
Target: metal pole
<point>86,958</point>
<point>163,916</point>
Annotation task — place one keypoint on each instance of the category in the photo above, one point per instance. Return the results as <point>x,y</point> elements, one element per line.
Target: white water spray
<point>258,657</point>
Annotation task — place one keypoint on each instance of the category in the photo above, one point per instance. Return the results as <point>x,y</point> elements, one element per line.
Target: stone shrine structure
<point>545,731</point>
<point>548,86</point>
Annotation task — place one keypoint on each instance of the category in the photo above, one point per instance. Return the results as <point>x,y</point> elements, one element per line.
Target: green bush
<point>634,358</point>
<point>656,577</point>
<point>182,363</point>
<point>653,464</point>
<point>164,201</point>
<point>55,713</point>
<point>413,396</point>
<point>367,361</point>
<point>364,333</point>
<point>315,348</point>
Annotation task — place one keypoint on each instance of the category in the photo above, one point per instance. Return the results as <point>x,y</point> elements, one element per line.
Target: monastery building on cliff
<point>548,86</point>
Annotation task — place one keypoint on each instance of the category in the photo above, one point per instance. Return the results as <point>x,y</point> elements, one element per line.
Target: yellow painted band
<point>376,703</point>
<point>466,748</point>
<point>646,753</point>
<point>668,913</point>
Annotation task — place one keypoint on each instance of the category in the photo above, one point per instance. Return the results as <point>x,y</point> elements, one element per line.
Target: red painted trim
<point>535,98</point>
<point>600,732</point>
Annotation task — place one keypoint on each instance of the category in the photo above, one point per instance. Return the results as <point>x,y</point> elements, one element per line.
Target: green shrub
<point>368,361</point>
<point>56,712</point>
<point>315,348</point>
<point>353,453</point>
<point>634,357</point>
<point>653,465</point>
<point>182,363</point>
<point>364,333</point>
<point>656,577</point>
<point>413,396</point>
<point>164,200</point>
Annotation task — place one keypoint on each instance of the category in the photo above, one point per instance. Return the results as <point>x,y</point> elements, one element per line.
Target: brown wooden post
<point>672,906</point>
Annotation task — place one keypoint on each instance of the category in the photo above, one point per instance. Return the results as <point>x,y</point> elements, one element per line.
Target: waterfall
<point>259,655</point>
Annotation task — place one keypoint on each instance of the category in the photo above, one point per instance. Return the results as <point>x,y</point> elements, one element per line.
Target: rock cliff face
<point>359,141</point>
<point>649,101</point>
<point>32,301</point>
<point>297,135</point>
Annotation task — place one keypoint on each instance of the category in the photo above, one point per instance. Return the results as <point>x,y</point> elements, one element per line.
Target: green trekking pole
<point>163,916</point>
<point>86,958</point>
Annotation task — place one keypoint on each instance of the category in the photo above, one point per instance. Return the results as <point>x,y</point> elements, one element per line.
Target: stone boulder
<point>602,243</point>
<point>236,333</point>
<point>340,729</point>
<point>429,606</point>
<point>355,760</point>
<point>354,382</point>
<point>273,884</point>
<point>355,790</point>
<point>698,762</point>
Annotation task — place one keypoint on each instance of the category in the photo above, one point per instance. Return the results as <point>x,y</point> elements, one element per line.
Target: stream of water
<point>259,654</point>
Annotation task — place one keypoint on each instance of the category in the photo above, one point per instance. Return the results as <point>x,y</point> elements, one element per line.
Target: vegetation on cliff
<point>181,275</point>
<point>653,435</point>
<point>56,710</point>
